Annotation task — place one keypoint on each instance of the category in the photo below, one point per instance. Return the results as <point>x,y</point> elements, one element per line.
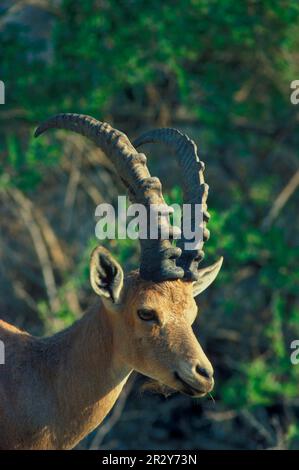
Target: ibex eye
<point>147,314</point>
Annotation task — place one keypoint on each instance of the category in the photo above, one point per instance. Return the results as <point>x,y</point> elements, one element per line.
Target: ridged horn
<point>194,188</point>
<point>158,256</point>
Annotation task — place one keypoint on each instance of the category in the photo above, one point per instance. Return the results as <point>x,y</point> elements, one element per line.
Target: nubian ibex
<point>56,390</point>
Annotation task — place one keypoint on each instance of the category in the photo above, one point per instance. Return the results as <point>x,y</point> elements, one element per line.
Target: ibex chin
<point>56,390</point>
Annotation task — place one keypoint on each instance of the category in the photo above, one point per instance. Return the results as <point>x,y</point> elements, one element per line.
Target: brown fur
<point>56,390</point>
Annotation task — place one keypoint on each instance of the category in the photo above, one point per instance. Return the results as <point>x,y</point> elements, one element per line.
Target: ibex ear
<point>106,275</point>
<point>206,277</point>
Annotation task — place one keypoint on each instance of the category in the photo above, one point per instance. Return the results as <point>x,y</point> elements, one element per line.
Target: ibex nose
<point>207,374</point>
<point>196,378</point>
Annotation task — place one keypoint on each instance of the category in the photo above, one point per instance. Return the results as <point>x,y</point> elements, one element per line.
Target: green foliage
<point>224,68</point>
<point>293,437</point>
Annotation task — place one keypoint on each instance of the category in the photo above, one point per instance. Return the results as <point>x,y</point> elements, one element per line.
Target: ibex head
<point>151,310</point>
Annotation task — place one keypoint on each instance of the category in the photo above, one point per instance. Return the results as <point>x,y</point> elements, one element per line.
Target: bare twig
<point>281,200</point>
<point>59,256</point>
<point>18,6</point>
<point>220,416</point>
<point>257,426</point>
<point>91,190</point>
<point>60,259</point>
<point>25,210</point>
<point>22,294</point>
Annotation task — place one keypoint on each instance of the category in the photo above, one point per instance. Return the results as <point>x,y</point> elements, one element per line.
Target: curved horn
<point>158,256</point>
<point>194,188</point>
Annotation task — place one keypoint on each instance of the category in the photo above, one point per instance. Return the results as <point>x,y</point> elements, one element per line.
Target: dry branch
<point>59,257</point>
<point>281,200</point>
<point>25,210</point>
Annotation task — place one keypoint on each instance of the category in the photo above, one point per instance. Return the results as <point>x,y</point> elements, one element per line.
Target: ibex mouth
<point>189,389</point>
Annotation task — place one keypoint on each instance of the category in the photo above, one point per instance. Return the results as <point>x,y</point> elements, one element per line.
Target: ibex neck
<point>87,377</point>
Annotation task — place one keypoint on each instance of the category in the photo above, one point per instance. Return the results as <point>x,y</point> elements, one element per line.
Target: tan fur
<point>56,390</point>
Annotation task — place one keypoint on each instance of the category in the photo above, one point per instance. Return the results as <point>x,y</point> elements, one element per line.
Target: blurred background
<point>221,72</point>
